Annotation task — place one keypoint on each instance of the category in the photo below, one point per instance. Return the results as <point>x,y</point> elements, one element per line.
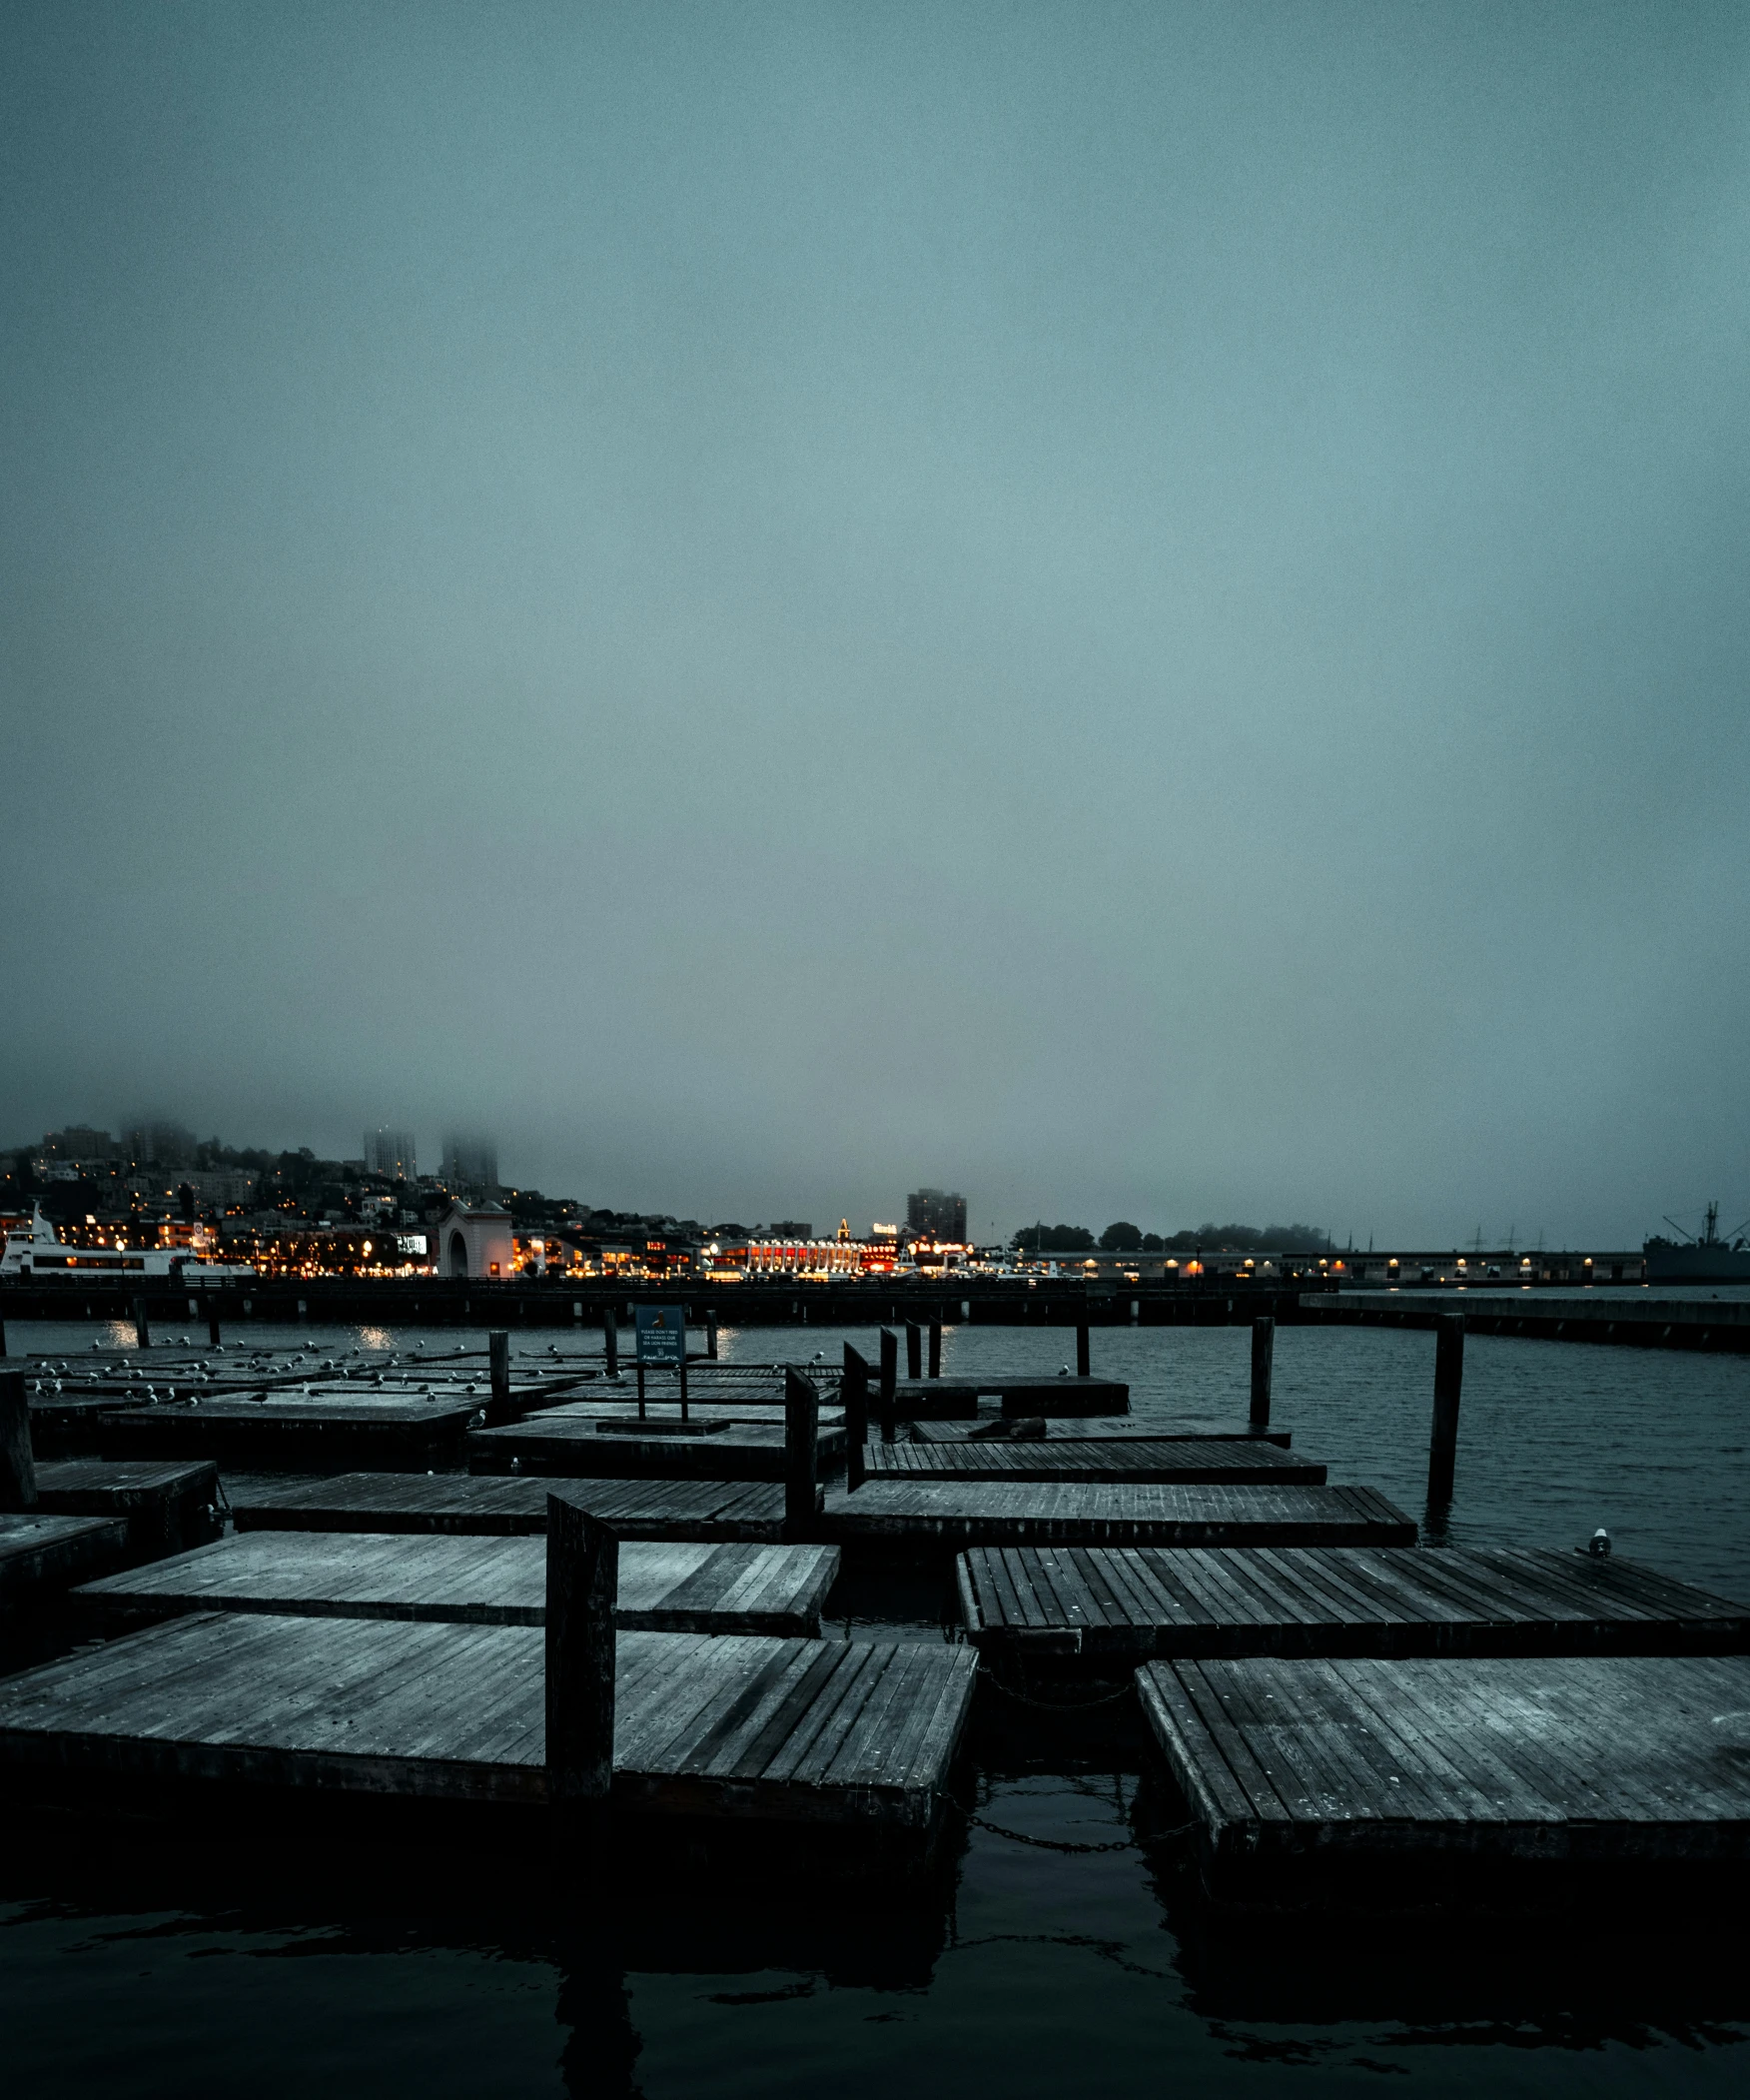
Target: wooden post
<point>582,1582</point>
<point>18,1490</point>
<point>889,1400</point>
<point>856,1398</point>
<point>142,1327</point>
<point>801,1453</point>
<point>1082,1358</point>
<point>1262,1353</point>
<point>936,1346</point>
<point>711,1336</point>
<point>2,1337</point>
<point>498,1353</point>
<point>914,1350</point>
<point>211,1321</point>
<point>610,1340</point>
<point>1448,1380</point>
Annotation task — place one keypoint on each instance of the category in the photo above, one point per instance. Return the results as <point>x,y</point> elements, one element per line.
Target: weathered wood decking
<point>578,1444</point>
<point>167,1509</point>
<point>951,1515</point>
<point>1319,1781</point>
<point>40,1555</point>
<point>1232,1461</point>
<point>1094,1429</point>
<point>732,1726</point>
<point>291,1429</point>
<point>954,1399</point>
<point>1116,1607</point>
<point>664,1587</point>
<point>514,1505</point>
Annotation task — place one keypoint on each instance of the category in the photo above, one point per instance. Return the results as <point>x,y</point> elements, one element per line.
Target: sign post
<point>661,1336</point>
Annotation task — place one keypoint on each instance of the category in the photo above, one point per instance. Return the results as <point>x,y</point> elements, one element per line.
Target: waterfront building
<point>476,1240</point>
<point>389,1154</point>
<point>934,1214</point>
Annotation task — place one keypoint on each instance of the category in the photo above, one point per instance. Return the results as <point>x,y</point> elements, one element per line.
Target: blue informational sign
<point>661,1333</point>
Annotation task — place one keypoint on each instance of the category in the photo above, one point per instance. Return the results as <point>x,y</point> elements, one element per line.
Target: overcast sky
<point>1140,612</point>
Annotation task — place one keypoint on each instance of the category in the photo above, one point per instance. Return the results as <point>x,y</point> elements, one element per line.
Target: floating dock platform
<point>168,1508</point>
<point>41,1556</point>
<point>955,1399</point>
<point>283,1428</point>
<point>1233,1461</point>
<point>1111,1608</point>
<point>846,1738</point>
<point>593,1441</point>
<point>1387,1785</point>
<point>510,1506</point>
<point>664,1587</point>
<point>935,1517</point>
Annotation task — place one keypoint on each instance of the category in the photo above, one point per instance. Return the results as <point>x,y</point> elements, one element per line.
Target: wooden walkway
<point>1310,1779</point>
<point>1235,1460</point>
<point>952,1515</point>
<point>710,1510</point>
<point>664,1588</point>
<point>167,1509</point>
<point>581,1445</point>
<point>705,1726</point>
<point>1121,1605</point>
<point>40,1554</point>
<point>1092,1429</point>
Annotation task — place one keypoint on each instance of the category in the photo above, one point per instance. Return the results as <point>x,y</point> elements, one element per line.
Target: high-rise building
<point>932,1214</point>
<point>389,1153</point>
<point>470,1165</point>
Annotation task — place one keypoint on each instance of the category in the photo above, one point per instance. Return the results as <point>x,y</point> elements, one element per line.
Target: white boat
<point>39,1251</point>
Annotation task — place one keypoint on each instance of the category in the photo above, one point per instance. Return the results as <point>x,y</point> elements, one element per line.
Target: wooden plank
<point>514,1505</point>
<point>455,1712</point>
<point>1553,1761</point>
<point>167,1507</point>
<point>42,1553</point>
<point>1233,1460</point>
<point>663,1586</point>
<point>1338,1601</point>
<point>952,1516</point>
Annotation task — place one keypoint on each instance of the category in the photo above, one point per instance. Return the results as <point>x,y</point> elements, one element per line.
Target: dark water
<point>1035,1973</point>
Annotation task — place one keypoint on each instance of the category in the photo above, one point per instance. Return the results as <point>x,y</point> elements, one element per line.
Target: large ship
<point>1703,1258</point>
<point>40,1251</point>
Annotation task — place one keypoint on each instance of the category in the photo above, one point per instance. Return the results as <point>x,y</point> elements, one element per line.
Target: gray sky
<point>1140,612</point>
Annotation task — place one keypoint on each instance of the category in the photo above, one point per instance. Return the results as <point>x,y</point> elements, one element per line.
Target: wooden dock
<point>1387,1783</point>
<point>589,1443</point>
<point>1092,1429</point>
<point>1112,1608</point>
<point>167,1509</point>
<point>954,1399</point>
<point>42,1555</point>
<point>284,1428</point>
<point>840,1735</point>
<point>513,1505</point>
<point>933,1516</point>
<point>1233,1461</point>
<point>664,1588</point>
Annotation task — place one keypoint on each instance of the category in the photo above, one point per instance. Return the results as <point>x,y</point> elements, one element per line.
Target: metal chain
<point>1050,1844</point>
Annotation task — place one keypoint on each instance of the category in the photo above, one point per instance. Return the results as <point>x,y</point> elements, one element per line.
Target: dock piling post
<point>610,1340</point>
<point>889,1400</point>
<point>498,1351</point>
<point>582,1582</point>
<point>211,1321</point>
<point>1448,1381</point>
<point>914,1350</point>
<point>1263,1356</point>
<point>936,1346</point>
<point>856,1398</point>
<point>1082,1358</point>
<point>711,1336</point>
<point>801,1455</point>
<point>18,1490</point>
<point>142,1326</point>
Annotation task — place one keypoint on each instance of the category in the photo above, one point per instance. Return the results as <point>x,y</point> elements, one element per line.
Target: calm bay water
<point>1037,1973</point>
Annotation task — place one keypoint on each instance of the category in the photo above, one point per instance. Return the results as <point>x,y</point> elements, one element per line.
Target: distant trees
<point>1054,1239</point>
<point>1122,1238</point>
